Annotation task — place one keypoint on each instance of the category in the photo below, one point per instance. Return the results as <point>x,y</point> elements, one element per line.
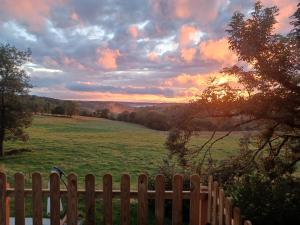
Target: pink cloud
<point>152,56</point>
<point>74,16</point>
<point>188,54</point>
<point>108,58</point>
<point>73,63</point>
<point>217,50</point>
<point>133,31</point>
<point>187,35</point>
<point>287,9</point>
<point>31,12</point>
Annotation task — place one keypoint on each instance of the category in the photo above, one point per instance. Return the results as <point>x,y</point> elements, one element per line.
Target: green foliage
<point>266,201</point>
<point>14,85</point>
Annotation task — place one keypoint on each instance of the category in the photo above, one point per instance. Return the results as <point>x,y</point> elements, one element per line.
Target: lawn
<point>90,145</point>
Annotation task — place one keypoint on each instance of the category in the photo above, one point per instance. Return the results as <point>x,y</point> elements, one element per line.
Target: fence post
<point>107,199</point>
<point>72,215</point>
<point>221,206</point>
<point>19,199</point>
<point>125,199</point>
<point>3,200</point>
<point>194,199</point>
<point>90,199</point>
<point>209,200</point>
<point>159,199</point>
<point>142,200</point>
<point>37,199</point>
<point>177,186</point>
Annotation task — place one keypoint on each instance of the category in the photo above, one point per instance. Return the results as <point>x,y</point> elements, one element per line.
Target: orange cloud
<point>133,31</point>
<point>188,54</point>
<point>187,35</point>
<point>217,50</point>
<point>32,12</point>
<point>152,56</point>
<point>108,58</point>
<point>73,63</point>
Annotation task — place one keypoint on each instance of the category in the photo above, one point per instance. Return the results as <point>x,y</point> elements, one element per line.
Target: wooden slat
<point>221,207</point>
<point>72,215</point>
<point>215,203</point>
<point>3,206</point>
<point>37,199</point>
<point>107,199</point>
<point>177,200</point>
<point>54,199</point>
<point>19,199</point>
<point>236,216</point>
<point>142,200</point>
<point>247,222</point>
<point>159,199</point>
<point>116,193</point>
<point>203,211</point>
<point>228,213</point>
<point>195,200</point>
<point>90,199</point>
<point>125,199</point>
<point>209,200</point>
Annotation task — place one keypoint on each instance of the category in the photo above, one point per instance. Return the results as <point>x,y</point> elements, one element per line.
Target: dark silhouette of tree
<point>268,99</point>
<point>14,86</point>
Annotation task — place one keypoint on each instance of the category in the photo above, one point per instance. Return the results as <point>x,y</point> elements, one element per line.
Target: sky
<point>126,50</point>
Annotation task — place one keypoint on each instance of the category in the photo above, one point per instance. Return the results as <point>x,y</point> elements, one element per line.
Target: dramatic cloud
<point>108,58</point>
<point>137,50</point>
<point>217,50</point>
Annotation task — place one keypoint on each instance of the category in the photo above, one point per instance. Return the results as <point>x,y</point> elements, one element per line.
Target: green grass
<point>90,145</point>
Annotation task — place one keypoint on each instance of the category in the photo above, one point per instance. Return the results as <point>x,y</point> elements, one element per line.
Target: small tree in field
<point>14,86</point>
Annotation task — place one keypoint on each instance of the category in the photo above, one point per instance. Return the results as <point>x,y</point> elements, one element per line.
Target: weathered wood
<point>3,206</point>
<point>209,200</point>
<point>116,193</point>
<point>90,202</point>
<point>228,211</point>
<point>19,199</point>
<point>215,203</point>
<point>236,216</point>
<point>54,199</point>
<point>221,207</point>
<point>72,214</point>
<point>107,199</point>
<point>177,200</point>
<point>37,199</point>
<point>159,199</point>
<point>125,199</point>
<point>203,211</point>
<point>195,199</point>
<point>142,200</point>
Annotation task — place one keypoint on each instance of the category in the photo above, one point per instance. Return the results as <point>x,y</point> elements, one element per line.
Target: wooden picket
<point>208,204</point>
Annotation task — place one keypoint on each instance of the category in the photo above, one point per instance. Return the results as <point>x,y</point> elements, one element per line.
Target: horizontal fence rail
<point>207,204</point>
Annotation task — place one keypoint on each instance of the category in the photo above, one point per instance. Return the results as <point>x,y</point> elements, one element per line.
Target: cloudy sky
<point>125,50</point>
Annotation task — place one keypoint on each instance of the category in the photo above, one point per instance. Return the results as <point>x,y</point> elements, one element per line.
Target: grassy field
<point>90,145</point>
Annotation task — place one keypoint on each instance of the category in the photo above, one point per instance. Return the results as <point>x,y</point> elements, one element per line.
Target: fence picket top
<point>125,199</point>
<point>236,216</point>
<point>177,187</point>
<point>19,199</point>
<point>221,206</point>
<point>37,199</point>
<point>72,214</point>
<point>159,199</point>
<point>54,199</point>
<point>90,199</point>
<point>107,198</point>
<point>142,199</point>
<point>209,200</point>
<point>195,199</point>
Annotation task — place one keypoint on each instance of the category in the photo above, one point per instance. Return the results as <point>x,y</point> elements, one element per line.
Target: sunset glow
<point>140,51</point>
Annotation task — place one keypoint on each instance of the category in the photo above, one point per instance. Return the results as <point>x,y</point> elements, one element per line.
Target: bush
<point>265,201</point>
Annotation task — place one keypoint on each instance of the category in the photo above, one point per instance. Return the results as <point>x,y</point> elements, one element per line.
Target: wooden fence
<point>207,203</point>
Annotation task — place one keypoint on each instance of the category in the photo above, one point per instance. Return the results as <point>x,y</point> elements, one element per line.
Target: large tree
<point>14,86</point>
<point>267,99</point>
